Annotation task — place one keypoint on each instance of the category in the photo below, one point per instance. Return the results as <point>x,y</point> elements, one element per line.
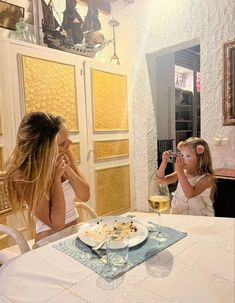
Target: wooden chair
<point>12,233</point>
<point>14,229</point>
<point>85,212</point>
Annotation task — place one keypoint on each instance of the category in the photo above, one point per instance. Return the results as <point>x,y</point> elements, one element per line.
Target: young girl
<point>42,172</point>
<point>194,192</point>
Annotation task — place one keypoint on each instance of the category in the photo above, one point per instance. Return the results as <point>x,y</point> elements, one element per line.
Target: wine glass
<point>159,201</point>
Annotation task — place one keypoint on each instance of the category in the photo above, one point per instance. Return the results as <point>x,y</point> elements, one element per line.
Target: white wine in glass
<point>159,201</point>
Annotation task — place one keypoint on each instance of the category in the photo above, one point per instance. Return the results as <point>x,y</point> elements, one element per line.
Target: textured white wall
<point>153,25</point>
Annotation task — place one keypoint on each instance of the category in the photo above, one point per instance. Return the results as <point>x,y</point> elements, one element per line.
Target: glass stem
<point>160,226</point>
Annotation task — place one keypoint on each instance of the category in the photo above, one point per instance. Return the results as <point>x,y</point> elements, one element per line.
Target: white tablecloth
<point>199,268</point>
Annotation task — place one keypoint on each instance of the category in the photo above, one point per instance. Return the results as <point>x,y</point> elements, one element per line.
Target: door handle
<point>90,151</point>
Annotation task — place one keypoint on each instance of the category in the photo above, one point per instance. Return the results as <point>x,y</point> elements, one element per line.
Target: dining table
<point>198,268</point>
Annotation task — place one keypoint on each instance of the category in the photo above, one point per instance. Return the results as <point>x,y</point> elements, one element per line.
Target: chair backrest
<point>5,205</point>
<point>11,219</point>
<point>16,235</point>
<point>85,212</point>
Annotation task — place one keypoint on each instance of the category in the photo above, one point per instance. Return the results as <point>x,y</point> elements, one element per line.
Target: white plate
<point>94,231</point>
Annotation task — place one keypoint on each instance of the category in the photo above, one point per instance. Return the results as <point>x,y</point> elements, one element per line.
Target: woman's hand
<point>61,165</point>
<point>67,161</point>
<point>77,180</point>
<point>68,166</point>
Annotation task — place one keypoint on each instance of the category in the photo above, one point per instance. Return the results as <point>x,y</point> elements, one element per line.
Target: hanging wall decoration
<point>1,157</point>
<point>114,58</point>
<point>0,114</point>
<point>10,14</point>
<point>229,83</point>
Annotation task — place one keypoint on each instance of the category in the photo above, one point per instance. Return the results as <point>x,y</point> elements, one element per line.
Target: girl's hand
<point>60,167</point>
<point>166,156</point>
<point>179,164</point>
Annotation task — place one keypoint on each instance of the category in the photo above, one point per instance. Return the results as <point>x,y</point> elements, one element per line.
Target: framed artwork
<point>10,14</point>
<point>0,123</point>
<point>1,158</point>
<point>0,115</point>
<point>229,84</point>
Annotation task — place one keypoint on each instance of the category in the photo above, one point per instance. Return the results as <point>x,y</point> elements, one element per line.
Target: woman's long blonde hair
<point>33,159</point>
<point>204,160</point>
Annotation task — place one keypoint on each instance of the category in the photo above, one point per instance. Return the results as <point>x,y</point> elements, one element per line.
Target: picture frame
<point>10,14</point>
<point>229,83</point>
<point>1,133</point>
<point>1,158</point>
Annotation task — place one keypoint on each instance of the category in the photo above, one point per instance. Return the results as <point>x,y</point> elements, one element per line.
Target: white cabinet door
<point>7,124</point>
<point>109,124</point>
<point>36,78</point>
<point>92,96</point>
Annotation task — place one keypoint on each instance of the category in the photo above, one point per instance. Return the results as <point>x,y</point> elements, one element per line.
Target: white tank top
<point>71,211</point>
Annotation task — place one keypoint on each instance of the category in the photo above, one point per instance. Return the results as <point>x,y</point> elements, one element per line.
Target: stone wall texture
<point>157,25</point>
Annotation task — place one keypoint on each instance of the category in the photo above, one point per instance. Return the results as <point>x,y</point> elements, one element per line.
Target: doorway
<point>187,93</point>
<point>177,98</point>
<point>175,86</point>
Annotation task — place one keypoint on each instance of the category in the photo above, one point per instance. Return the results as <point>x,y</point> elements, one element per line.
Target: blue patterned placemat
<point>79,251</point>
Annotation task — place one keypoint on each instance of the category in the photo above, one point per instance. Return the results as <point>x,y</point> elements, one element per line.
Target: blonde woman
<point>194,173</point>
<point>42,172</point>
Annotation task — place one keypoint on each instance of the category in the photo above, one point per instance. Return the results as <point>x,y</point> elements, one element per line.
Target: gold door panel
<point>50,86</point>
<point>110,106</point>
<point>110,149</point>
<point>112,186</point>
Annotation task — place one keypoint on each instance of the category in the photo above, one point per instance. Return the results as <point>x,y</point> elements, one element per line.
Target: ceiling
<point>105,5</point>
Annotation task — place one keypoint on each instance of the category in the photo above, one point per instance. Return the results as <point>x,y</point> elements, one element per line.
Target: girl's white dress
<point>201,205</point>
